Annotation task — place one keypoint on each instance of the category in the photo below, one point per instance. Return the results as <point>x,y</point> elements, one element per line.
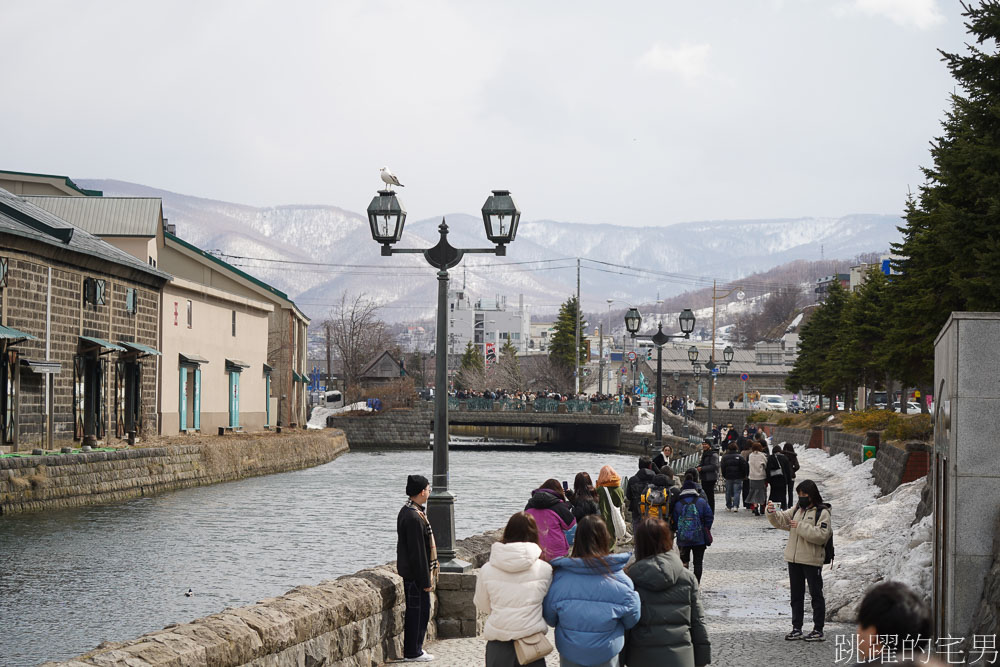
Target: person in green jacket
<point>671,628</point>
<point>610,497</point>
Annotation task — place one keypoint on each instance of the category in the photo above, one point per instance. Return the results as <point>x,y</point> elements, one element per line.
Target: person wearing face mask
<point>810,527</point>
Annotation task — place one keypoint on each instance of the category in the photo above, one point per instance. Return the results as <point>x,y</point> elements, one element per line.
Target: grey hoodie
<point>671,628</point>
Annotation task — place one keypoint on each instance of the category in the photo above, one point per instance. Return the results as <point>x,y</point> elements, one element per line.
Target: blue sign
<point>715,371</point>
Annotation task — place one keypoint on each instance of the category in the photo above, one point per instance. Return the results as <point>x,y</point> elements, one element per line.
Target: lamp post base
<point>441,514</point>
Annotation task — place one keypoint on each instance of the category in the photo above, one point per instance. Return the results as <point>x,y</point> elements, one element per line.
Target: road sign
<point>632,356</point>
<point>745,377</point>
<point>715,370</point>
<point>624,371</point>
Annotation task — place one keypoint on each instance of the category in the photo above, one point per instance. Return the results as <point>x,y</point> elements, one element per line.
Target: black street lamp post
<point>727,356</point>
<point>386,215</point>
<point>633,320</point>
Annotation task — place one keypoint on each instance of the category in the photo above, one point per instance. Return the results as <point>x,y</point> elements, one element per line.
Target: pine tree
<point>472,369</point>
<point>816,368</point>
<point>951,240</point>
<point>564,335</point>
<point>862,333</point>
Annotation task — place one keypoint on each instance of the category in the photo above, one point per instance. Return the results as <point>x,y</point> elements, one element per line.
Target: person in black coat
<point>637,486</point>
<point>661,462</point>
<point>734,470</point>
<point>779,473</point>
<point>708,472</point>
<point>583,496</point>
<point>793,461</point>
<point>417,564</point>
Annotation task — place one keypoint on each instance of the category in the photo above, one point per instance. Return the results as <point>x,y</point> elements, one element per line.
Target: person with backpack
<point>553,516</point>
<point>636,487</point>
<point>591,603</point>
<point>810,545</point>
<point>671,628</point>
<point>693,517</point>
<point>734,468</point>
<point>655,502</point>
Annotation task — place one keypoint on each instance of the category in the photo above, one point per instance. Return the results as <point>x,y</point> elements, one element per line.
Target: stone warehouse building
<point>79,330</point>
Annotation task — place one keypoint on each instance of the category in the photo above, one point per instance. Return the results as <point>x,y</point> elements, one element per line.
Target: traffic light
<point>649,355</point>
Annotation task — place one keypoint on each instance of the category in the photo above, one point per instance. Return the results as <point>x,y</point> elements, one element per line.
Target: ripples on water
<point>74,578</point>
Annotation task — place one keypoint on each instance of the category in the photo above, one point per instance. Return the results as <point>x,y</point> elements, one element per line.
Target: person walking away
<point>417,564</point>
<point>510,588</point>
<point>810,527</point>
<point>656,500</point>
<point>757,461</point>
<point>744,445</point>
<point>693,518</point>
<point>734,469</point>
<point>793,462</point>
<point>894,620</point>
<point>671,628</point>
<point>591,602</point>
<point>584,496</point>
<point>662,460</point>
<point>708,471</point>
<point>554,518</point>
<point>777,466</point>
<point>610,498</point>
<point>637,487</point>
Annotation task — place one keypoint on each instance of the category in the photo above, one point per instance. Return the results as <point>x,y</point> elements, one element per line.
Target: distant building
<point>540,337</point>
<point>823,284</point>
<point>486,321</point>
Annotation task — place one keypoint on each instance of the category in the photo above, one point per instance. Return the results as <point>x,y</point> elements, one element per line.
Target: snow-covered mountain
<point>346,259</point>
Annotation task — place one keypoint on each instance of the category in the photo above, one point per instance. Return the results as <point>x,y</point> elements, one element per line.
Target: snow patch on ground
<point>645,424</point>
<point>872,534</point>
<point>319,414</point>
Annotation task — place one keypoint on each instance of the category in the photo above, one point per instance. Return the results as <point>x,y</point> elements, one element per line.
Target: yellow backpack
<point>653,502</point>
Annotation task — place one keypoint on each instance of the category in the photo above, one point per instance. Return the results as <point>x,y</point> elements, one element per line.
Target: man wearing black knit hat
<point>417,564</point>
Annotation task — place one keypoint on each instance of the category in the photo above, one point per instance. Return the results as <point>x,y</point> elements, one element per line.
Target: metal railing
<point>542,404</point>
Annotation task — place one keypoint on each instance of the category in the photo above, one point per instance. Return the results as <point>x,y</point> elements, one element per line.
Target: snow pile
<point>319,413</point>
<point>645,424</point>
<point>872,535</point>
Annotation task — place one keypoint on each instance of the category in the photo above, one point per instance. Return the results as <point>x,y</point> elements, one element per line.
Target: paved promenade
<point>745,593</point>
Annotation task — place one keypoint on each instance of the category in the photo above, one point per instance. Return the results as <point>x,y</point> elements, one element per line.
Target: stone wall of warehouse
<point>355,620</point>
<point>39,483</point>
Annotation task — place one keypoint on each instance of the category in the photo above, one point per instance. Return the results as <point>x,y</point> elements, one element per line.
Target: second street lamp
<point>633,320</point>
<point>386,216</point>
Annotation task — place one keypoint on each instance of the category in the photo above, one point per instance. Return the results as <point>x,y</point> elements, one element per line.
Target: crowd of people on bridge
<point>615,566</point>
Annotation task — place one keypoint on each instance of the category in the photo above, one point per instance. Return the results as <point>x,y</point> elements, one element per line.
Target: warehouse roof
<point>106,216</point>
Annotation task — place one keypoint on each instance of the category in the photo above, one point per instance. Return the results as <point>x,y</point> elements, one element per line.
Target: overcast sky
<point>630,113</point>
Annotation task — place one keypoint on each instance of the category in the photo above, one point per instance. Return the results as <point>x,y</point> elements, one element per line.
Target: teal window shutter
<point>197,399</point>
<point>182,402</point>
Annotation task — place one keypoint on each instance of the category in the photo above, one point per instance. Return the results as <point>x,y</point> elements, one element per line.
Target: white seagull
<point>389,178</point>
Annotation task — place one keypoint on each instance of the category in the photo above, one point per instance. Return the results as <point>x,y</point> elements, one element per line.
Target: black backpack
<point>828,551</point>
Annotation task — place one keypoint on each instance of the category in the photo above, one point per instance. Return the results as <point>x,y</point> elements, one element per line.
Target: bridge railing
<point>546,405</point>
<point>542,404</point>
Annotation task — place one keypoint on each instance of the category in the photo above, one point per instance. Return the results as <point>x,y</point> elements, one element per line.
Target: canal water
<point>74,578</point>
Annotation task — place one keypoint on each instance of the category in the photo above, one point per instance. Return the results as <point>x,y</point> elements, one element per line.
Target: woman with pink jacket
<point>553,515</point>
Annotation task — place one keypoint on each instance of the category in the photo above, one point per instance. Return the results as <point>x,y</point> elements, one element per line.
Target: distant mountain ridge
<point>336,236</point>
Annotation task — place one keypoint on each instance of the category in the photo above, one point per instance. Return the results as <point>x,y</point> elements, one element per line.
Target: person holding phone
<point>810,527</point>
<point>554,518</point>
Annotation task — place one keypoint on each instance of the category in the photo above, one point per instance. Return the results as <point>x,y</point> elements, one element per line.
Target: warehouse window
<point>3,271</point>
<point>234,322</point>
<point>190,314</point>
<point>131,297</point>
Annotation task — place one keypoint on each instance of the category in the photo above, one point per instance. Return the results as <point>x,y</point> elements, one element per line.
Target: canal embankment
<point>58,481</point>
<point>353,620</point>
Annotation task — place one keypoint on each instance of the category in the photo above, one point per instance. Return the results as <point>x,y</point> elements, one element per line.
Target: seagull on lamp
<point>389,178</point>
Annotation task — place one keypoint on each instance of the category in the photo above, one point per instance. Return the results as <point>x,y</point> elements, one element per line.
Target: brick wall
<point>24,307</point>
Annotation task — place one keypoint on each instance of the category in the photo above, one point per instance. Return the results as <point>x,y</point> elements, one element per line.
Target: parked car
<point>796,407</point>
<point>840,405</point>
<point>772,402</point>
<point>911,407</point>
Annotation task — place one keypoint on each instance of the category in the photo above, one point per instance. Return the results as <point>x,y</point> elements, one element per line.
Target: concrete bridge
<point>568,424</point>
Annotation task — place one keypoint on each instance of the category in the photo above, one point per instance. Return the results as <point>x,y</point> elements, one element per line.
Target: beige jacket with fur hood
<point>510,588</point>
<point>807,541</point>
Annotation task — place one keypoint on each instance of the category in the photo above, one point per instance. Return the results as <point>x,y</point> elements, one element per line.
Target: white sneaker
<point>423,657</point>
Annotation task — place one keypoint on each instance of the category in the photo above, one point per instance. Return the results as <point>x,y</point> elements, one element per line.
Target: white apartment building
<point>486,321</point>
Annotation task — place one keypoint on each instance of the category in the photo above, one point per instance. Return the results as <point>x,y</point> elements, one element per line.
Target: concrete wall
<point>38,483</point>
<point>210,336</point>
<point>355,620</point>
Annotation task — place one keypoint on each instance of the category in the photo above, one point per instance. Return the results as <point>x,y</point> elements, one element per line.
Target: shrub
<point>787,420</point>
<point>869,420</point>
<point>394,394</point>
<point>917,427</point>
<point>755,417</point>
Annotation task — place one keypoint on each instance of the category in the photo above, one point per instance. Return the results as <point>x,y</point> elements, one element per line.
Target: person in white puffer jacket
<point>510,588</point>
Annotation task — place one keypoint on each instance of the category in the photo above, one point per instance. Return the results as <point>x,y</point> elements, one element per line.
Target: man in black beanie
<point>417,564</point>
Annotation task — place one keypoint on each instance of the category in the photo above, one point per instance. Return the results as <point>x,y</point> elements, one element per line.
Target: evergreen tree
<point>564,335</point>
<point>951,240</point>
<point>862,333</point>
<point>508,373</point>
<point>472,369</point>
<point>816,368</point>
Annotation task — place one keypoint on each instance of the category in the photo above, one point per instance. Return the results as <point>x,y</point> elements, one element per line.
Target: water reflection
<point>71,579</point>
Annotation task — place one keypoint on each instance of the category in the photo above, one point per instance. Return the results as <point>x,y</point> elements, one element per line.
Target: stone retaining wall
<point>900,465</point>
<point>796,436</point>
<point>355,620</point>
<point>39,483</point>
<point>838,442</point>
<point>738,418</point>
<point>407,428</point>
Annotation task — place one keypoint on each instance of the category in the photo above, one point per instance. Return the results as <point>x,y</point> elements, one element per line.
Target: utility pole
<point>579,316</point>
<point>600,378</point>
<point>329,358</point>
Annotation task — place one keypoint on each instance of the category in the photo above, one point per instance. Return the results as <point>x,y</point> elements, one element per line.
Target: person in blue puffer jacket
<point>591,602</point>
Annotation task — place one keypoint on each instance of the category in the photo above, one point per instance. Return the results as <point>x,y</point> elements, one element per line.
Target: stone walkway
<point>745,593</point>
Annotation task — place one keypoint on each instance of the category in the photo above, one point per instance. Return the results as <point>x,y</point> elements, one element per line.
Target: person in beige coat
<point>810,527</point>
<point>511,588</point>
